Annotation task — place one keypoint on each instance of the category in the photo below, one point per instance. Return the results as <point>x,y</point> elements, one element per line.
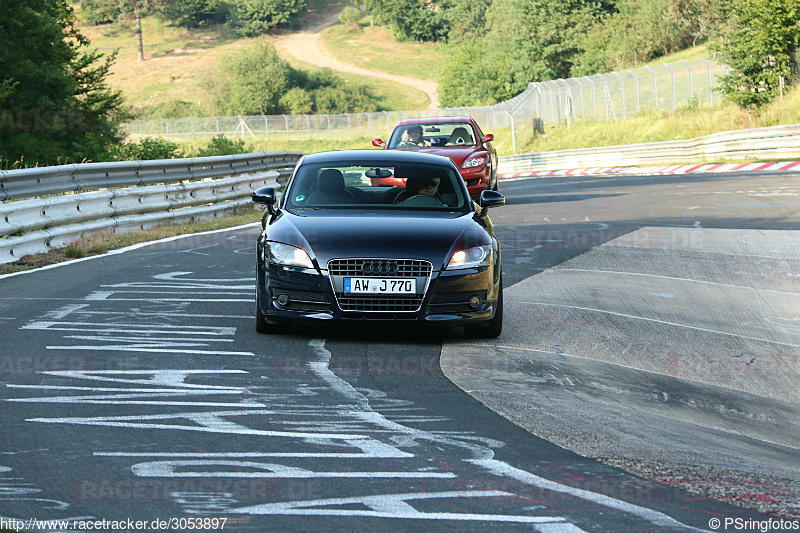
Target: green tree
<point>55,104</point>
<point>254,17</point>
<point>194,13</point>
<point>758,47</point>
<point>527,40</point>
<point>411,20</point>
<point>127,15</point>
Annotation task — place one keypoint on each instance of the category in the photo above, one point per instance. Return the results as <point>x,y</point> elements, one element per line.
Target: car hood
<point>430,236</point>
<point>457,154</point>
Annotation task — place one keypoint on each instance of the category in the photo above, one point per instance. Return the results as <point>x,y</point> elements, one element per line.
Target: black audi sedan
<point>340,246</point>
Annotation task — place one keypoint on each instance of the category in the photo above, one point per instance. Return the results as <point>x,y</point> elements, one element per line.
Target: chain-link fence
<point>612,96</point>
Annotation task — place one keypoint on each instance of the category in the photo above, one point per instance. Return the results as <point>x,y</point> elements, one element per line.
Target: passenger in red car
<point>415,139</point>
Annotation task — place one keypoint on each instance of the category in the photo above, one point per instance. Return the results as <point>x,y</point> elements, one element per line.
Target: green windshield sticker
<point>300,198</point>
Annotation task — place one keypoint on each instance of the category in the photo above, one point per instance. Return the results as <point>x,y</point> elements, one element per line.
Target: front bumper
<point>295,294</point>
<point>477,179</point>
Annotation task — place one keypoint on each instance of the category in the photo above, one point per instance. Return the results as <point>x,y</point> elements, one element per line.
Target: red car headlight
<point>474,162</point>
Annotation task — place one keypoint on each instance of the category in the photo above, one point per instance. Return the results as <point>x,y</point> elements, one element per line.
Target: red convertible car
<point>459,138</point>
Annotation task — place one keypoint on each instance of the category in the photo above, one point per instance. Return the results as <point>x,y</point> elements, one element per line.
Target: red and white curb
<point>662,170</point>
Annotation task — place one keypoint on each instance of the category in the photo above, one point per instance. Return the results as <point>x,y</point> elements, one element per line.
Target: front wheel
<point>493,328</point>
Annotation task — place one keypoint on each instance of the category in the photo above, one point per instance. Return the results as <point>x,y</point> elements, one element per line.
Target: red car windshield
<point>432,135</point>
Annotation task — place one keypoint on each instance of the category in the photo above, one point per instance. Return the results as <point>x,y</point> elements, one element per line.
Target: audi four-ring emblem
<point>379,267</point>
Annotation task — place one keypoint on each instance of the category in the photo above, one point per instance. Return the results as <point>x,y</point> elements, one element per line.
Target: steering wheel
<point>422,200</point>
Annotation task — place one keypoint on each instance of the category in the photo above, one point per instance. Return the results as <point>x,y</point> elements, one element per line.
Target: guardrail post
<point>286,131</point>
<point>266,127</point>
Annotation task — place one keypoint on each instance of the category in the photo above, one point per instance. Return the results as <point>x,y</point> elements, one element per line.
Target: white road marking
<point>266,471</point>
<point>502,469</point>
<point>393,506</point>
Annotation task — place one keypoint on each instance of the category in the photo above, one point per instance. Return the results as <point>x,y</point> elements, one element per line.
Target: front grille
<point>402,268</point>
<point>393,303</point>
<point>381,268</point>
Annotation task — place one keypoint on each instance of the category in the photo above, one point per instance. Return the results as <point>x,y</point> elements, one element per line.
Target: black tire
<point>495,186</point>
<point>263,324</point>
<point>493,328</point>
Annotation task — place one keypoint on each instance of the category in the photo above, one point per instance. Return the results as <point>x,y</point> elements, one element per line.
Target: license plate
<point>380,286</point>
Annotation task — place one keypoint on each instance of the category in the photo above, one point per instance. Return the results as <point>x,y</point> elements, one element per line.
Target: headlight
<point>283,254</point>
<point>474,162</point>
<point>471,257</point>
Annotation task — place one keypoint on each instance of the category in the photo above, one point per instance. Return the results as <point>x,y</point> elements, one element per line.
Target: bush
<point>221,145</point>
<point>148,148</point>
<point>252,81</point>
<point>296,101</point>
<point>350,17</point>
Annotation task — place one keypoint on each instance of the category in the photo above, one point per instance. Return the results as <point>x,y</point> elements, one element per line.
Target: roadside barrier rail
<point>774,142</point>
<point>126,196</point>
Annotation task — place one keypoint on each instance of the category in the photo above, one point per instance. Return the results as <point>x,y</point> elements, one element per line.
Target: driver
<point>429,186</point>
<point>415,139</point>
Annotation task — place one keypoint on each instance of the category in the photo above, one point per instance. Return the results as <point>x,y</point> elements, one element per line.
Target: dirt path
<point>306,46</point>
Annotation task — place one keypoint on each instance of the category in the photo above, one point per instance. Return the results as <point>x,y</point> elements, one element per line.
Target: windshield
<point>432,135</point>
<point>387,185</point>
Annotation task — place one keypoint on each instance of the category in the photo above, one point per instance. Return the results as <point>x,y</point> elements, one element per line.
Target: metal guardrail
<point>39,181</point>
<point>216,185</point>
<point>775,142</point>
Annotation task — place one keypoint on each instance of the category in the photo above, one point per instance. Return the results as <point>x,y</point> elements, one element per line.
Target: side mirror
<point>265,196</point>
<point>491,199</point>
<point>488,138</point>
<point>378,142</point>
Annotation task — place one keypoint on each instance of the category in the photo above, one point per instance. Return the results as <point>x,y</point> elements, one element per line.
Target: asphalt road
<point>135,387</point>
